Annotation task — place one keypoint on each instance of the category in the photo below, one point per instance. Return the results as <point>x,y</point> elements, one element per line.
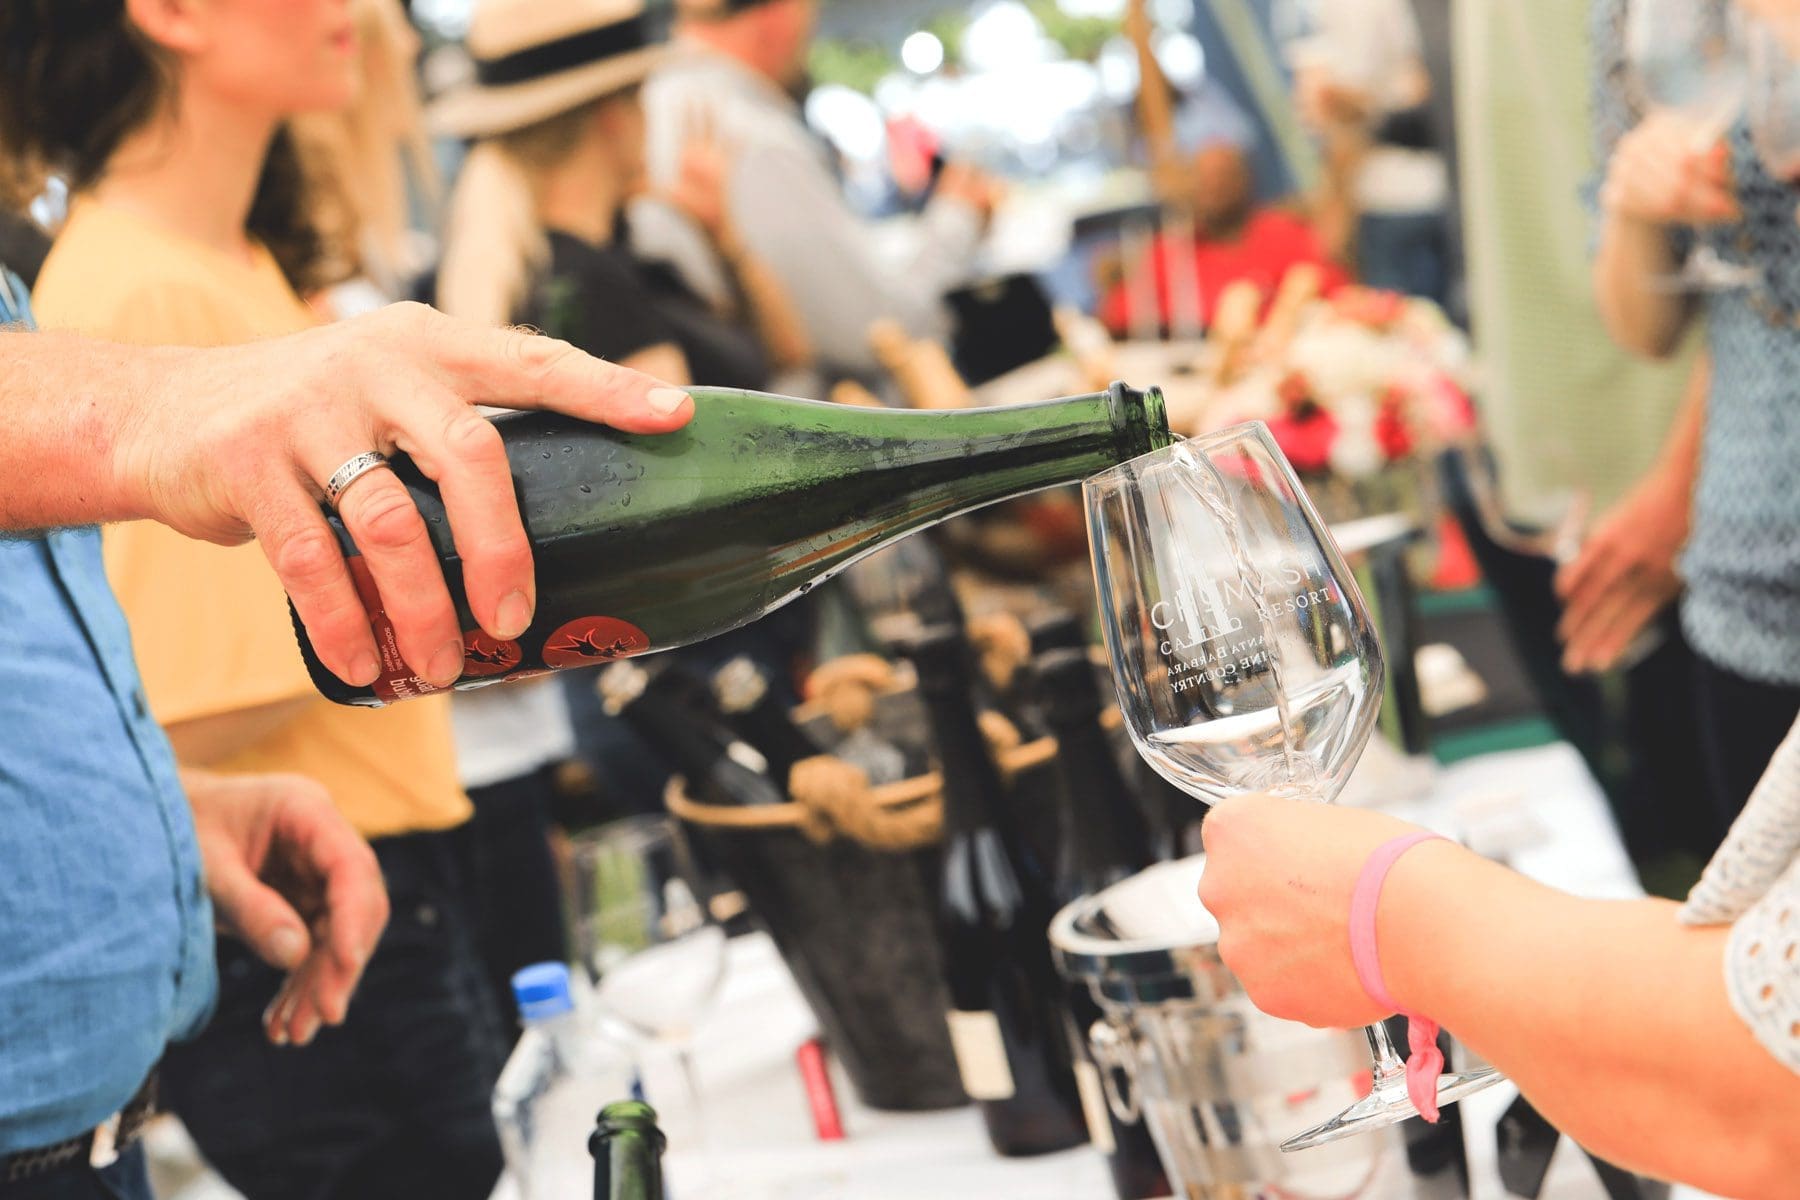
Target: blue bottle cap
<point>542,991</point>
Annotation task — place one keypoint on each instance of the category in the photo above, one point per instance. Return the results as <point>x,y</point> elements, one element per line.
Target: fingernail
<point>664,401</point>
<point>287,947</point>
<point>446,665</point>
<point>306,1031</point>
<point>366,670</point>
<point>277,1033</point>
<point>514,615</point>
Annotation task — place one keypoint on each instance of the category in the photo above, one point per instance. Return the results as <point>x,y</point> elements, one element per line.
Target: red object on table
<point>819,1094</point>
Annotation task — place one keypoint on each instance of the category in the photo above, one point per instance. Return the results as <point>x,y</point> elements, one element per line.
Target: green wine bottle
<point>646,543</point>
<point>627,1148</point>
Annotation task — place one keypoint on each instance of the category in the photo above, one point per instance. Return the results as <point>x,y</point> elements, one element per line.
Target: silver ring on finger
<point>346,476</point>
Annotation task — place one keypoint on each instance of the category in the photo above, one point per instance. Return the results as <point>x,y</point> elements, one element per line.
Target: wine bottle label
<point>397,681</point>
<point>980,1055</point>
<point>485,655</point>
<point>1093,1106</point>
<point>589,640</point>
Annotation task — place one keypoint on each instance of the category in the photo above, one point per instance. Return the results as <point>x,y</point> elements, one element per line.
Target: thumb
<point>258,914</point>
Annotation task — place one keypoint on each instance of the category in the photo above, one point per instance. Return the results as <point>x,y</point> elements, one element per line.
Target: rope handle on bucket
<point>833,798</point>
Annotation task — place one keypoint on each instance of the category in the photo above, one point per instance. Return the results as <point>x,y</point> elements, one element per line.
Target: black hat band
<point>565,53</point>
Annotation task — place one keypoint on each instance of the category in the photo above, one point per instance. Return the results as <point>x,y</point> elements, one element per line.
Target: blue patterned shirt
<point>105,931</point>
<point>1742,564</point>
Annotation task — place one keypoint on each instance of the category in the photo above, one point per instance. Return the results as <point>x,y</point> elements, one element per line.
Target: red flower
<point>1392,431</point>
<point>1306,439</point>
<point>1295,391</point>
<point>1372,307</point>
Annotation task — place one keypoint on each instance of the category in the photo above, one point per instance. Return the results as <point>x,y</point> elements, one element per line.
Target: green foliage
<point>1080,37</point>
<point>858,64</point>
<point>861,64</point>
<point>949,26</point>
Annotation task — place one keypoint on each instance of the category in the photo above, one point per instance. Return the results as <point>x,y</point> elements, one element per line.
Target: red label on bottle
<point>592,640</point>
<point>397,681</point>
<point>485,655</point>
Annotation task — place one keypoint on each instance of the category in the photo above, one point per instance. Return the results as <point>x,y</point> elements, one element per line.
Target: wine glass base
<point>1707,272</point>
<point>1388,1104</point>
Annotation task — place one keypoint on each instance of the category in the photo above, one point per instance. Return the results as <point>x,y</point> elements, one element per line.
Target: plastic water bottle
<point>560,1075</point>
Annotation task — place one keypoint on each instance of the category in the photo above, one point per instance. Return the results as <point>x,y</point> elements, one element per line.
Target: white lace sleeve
<point>1754,883</point>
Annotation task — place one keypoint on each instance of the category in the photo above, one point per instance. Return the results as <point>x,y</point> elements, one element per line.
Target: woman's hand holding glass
<point>1279,876</point>
<point>1660,175</point>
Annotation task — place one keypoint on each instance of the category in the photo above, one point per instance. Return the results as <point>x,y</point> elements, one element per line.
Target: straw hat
<point>536,59</point>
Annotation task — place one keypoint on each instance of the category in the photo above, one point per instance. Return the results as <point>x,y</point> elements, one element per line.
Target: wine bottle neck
<point>627,1150</point>
<point>1105,835</point>
<point>671,728</point>
<point>972,785</point>
<point>946,463</point>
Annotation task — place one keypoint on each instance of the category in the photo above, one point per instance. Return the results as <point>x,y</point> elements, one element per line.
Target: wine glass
<point>1688,56</point>
<point>654,952</point>
<point>1772,105</point>
<point>1243,654</point>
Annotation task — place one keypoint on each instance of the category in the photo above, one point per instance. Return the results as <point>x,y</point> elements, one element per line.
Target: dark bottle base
<point>1013,1136</point>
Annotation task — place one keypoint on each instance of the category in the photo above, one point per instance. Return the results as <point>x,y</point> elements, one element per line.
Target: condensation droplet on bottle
<point>625,500</point>
<point>568,449</point>
<point>586,490</point>
<point>546,454</point>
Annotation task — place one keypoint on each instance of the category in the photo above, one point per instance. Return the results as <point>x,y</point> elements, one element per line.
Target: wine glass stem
<point>1388,1064</point>
<point>684,1055</point>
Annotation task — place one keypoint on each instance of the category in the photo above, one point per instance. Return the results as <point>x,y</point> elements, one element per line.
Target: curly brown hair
<point>77,78</point>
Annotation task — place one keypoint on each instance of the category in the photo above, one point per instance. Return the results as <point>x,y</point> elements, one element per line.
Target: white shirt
<point>792,214</point>
<point>510,730</point>
<point>1753,883</point>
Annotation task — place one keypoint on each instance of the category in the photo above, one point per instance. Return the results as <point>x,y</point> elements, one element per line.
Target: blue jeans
<point>514,895</point>
<point>126,1179</point>
<point>1405,252</point>
<point>393,1103</point>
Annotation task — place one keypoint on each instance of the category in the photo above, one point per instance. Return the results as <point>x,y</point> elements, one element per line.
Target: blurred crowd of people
<point>238,171</point>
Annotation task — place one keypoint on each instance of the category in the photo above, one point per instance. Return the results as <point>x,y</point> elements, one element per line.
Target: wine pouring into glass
<point>1244,655</point>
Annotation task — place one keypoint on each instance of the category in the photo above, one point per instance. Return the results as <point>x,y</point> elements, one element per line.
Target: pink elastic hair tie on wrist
<point>1426,1061</point>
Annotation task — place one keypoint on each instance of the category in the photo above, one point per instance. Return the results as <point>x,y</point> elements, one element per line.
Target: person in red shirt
<point>1233,240</point>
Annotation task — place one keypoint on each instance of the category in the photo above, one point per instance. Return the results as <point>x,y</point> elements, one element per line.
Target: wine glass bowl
<point>1688,57</point>
<point>654,953</point>
<point>1244,655</point>
<point>1772,105</point>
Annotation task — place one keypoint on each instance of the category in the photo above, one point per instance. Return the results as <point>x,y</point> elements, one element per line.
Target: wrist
<point>129,435</point>
<point>1417,926</point>
<point>123,433</point>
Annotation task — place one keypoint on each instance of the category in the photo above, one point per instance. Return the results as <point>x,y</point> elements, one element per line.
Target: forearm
<point>1611,1016</point>
<point>1680,455</point>
<point>778,322</point>
<point>67,403</point>
<point>1639,310</point>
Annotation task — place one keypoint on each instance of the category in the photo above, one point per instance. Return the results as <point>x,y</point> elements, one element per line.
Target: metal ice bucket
<point>1181,1046</point>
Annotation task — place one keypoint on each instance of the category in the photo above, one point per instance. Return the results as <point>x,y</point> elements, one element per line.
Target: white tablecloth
<point>760,1143</point>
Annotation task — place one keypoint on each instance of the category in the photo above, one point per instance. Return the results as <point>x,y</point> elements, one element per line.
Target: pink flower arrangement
<point>1368,379</point>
